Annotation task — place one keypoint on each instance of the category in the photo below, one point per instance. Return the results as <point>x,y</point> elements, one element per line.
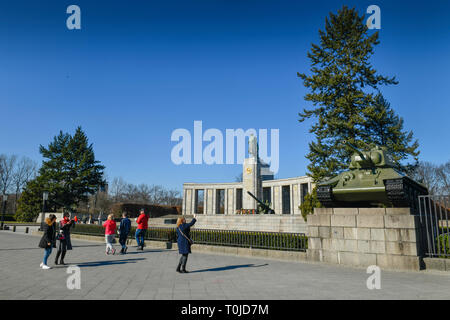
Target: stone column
<point>188,201</point>
<point>205,201</point>
<point>183,208</point>
<point>233,210</point>
<point>225,201</point>
<point>291,198</point>
<point>296,198</point>
<point>230,201</point>
<point>210,200</point>
<point>214,201</point>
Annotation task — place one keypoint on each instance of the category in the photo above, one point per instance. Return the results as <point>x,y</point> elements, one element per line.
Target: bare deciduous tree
<point>444,177</point>
<point>435,177</point>
<point>7,164</point>
<point>143,193</point>
<point>117,188</point>
<point>24,171</point>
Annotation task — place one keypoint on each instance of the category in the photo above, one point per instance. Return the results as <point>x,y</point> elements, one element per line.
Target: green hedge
<point>443,245</point>
<point>133,210</point>
<point>8,217</point>
<point>246,239</point>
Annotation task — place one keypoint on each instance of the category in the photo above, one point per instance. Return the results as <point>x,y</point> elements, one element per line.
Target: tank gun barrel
<point>266,207</point>
<point>356,150</point>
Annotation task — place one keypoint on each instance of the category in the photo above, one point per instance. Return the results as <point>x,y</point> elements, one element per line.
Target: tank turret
<point>371,181</point>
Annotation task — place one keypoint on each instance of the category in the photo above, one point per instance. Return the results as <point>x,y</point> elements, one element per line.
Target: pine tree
<point>30,202</point>
<point>69,173</point>
<point>383,127</point>
<point>343,84</point>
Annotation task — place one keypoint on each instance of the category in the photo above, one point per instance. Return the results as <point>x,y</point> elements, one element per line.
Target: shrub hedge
<point>8,217</point>
<point>133,209</point>
<point>443,245</point>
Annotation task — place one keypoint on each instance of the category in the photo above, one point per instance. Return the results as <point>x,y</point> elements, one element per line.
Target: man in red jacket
<point>141,230</point>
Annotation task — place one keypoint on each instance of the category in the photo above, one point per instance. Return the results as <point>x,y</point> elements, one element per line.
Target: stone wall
<point>360,237</point>
<point>258,222</point>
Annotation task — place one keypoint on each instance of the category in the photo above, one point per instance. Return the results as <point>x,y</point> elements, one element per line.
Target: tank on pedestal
<point>371,181</point>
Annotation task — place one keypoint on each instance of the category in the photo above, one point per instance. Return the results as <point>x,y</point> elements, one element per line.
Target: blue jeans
<point>47,253</point>
<point>140,235</point>
<point>123,240</point>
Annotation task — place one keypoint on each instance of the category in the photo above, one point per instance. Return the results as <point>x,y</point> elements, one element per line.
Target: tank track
<point>400,192</point>
<point>325,196</point>
<point>404,192</point>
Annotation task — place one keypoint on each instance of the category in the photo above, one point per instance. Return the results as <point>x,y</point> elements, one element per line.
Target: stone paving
<point>151,275</point>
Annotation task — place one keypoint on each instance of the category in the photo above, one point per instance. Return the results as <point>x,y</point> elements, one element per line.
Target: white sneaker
<point>41,264</point>
<point>45,267</point>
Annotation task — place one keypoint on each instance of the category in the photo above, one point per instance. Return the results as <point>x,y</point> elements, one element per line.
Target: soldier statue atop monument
<point>252,147</point>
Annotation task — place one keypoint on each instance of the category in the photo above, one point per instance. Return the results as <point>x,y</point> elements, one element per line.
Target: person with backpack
<point>124,230</point>
<point>184,242</point>
<point>110,231</point>
<point>142,222</point>
<point>48,240</point>
<point>63,237</point>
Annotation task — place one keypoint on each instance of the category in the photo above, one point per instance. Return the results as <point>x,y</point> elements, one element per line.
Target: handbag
<point>188,239</point>
<point>60,236</point>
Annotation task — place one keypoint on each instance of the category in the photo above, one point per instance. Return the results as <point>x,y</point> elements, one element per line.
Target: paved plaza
<point>151,275</point>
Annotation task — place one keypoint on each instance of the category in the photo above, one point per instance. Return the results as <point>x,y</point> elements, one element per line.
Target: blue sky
<point>137,70</point>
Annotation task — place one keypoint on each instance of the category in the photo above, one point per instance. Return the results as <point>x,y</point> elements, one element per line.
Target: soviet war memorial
<point>317,166</point>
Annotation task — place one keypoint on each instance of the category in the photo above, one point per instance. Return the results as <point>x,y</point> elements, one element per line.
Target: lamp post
<point>5,199</point>
<point>44,200</point>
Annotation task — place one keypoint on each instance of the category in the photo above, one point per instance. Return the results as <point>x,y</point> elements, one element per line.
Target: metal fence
<point>244,239</point>
<point>434,214</point>
<point>251,239</point>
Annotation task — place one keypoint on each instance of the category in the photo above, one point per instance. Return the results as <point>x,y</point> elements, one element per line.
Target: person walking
<point>48,240</point>
<point>184,242</point>
<point>110,230</point>
<point>124,230</point>
<point>63,238</point>
<point>142,222</point>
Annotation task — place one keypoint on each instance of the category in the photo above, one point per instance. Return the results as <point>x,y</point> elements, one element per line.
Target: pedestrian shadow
<point>88,245</point>
<point>38,248</point>
<point>105,263</point>
<point>145,251</point>
<point>231,267</point>
<point>14,249</point>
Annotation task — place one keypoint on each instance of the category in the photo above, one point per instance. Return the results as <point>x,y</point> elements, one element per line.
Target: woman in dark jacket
<point>48,240</point>
<point>184,242</point>
<point>63,238</point>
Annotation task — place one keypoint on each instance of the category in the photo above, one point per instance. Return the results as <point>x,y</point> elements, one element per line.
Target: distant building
<point>266,174</point>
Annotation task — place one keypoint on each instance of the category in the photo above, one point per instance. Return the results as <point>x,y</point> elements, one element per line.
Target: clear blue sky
<point>137,70</point>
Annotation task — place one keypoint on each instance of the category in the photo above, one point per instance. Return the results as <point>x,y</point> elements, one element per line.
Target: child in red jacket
<point>110,231</point>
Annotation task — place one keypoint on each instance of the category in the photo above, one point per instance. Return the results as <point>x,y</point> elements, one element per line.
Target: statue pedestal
<point>251,182</point>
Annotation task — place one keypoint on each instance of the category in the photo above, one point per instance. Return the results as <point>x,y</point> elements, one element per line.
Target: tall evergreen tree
<point>383,127</point>
<point>30,202</point>
<point>71,172</point>
<point>343,84</point>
